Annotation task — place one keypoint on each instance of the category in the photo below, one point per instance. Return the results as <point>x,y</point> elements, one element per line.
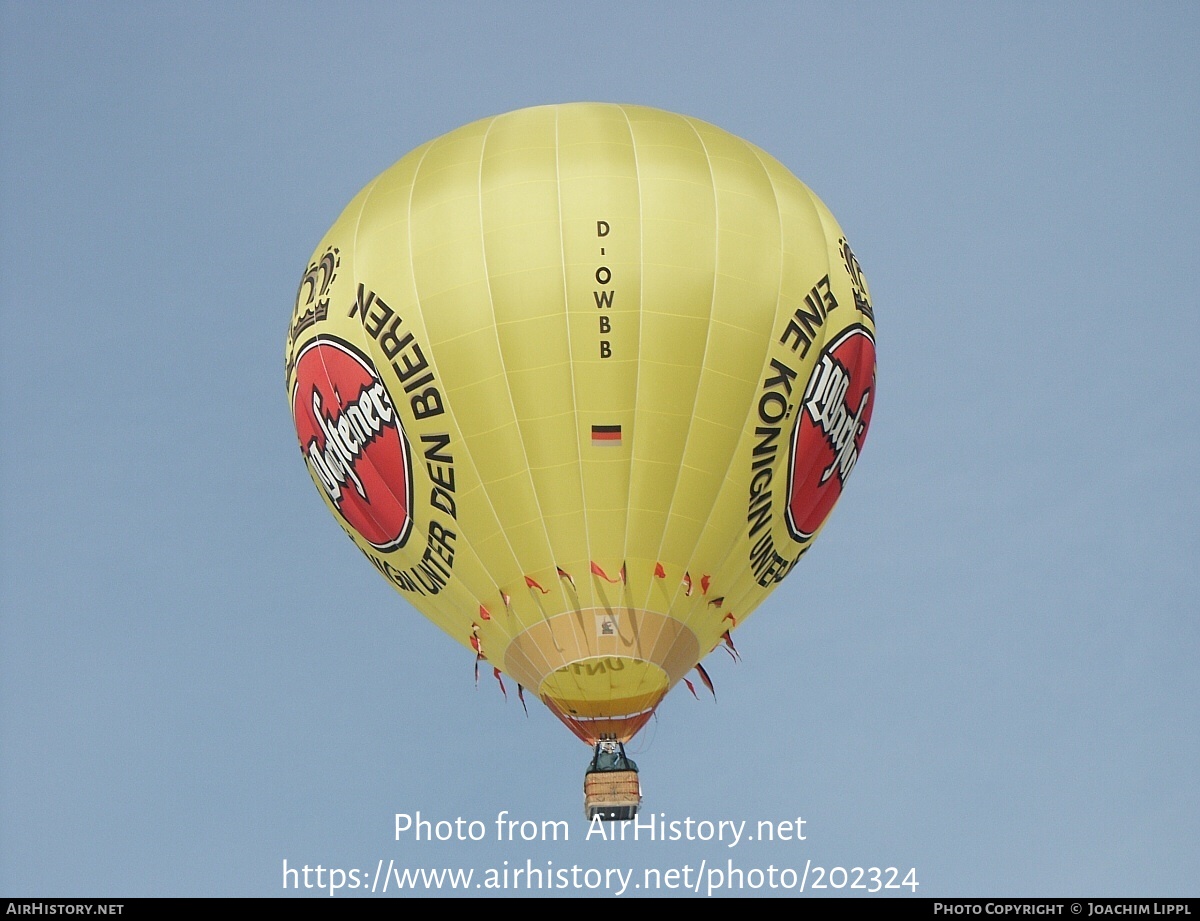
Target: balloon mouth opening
<point>592,730</point>
<point>603,670</point>
<point>603,696</point>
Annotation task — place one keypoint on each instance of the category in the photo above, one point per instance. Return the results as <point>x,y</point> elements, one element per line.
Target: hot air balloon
<point>583,383</point>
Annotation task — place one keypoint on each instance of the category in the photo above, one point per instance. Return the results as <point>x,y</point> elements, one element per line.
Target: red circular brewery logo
<point>352,440</point>
<point>830,429</point>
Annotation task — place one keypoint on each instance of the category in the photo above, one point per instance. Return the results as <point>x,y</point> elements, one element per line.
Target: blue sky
<point>986,669</point>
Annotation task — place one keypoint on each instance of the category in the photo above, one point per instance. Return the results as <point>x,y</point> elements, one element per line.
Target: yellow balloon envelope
<point>583,382</point>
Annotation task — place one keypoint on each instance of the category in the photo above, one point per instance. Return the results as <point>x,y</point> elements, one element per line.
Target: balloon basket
<point>612,796</point>
<point>611,789</point>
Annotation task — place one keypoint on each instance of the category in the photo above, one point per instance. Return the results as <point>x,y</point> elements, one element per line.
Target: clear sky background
<point>986,669</point>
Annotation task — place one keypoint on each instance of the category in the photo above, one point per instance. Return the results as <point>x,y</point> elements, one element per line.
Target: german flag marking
<point>606,436</point>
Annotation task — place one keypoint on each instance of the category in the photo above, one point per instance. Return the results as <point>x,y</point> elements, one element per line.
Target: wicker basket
<point>611,794</point>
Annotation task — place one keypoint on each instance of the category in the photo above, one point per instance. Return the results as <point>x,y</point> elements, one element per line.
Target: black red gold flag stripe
<point>606,436</point>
